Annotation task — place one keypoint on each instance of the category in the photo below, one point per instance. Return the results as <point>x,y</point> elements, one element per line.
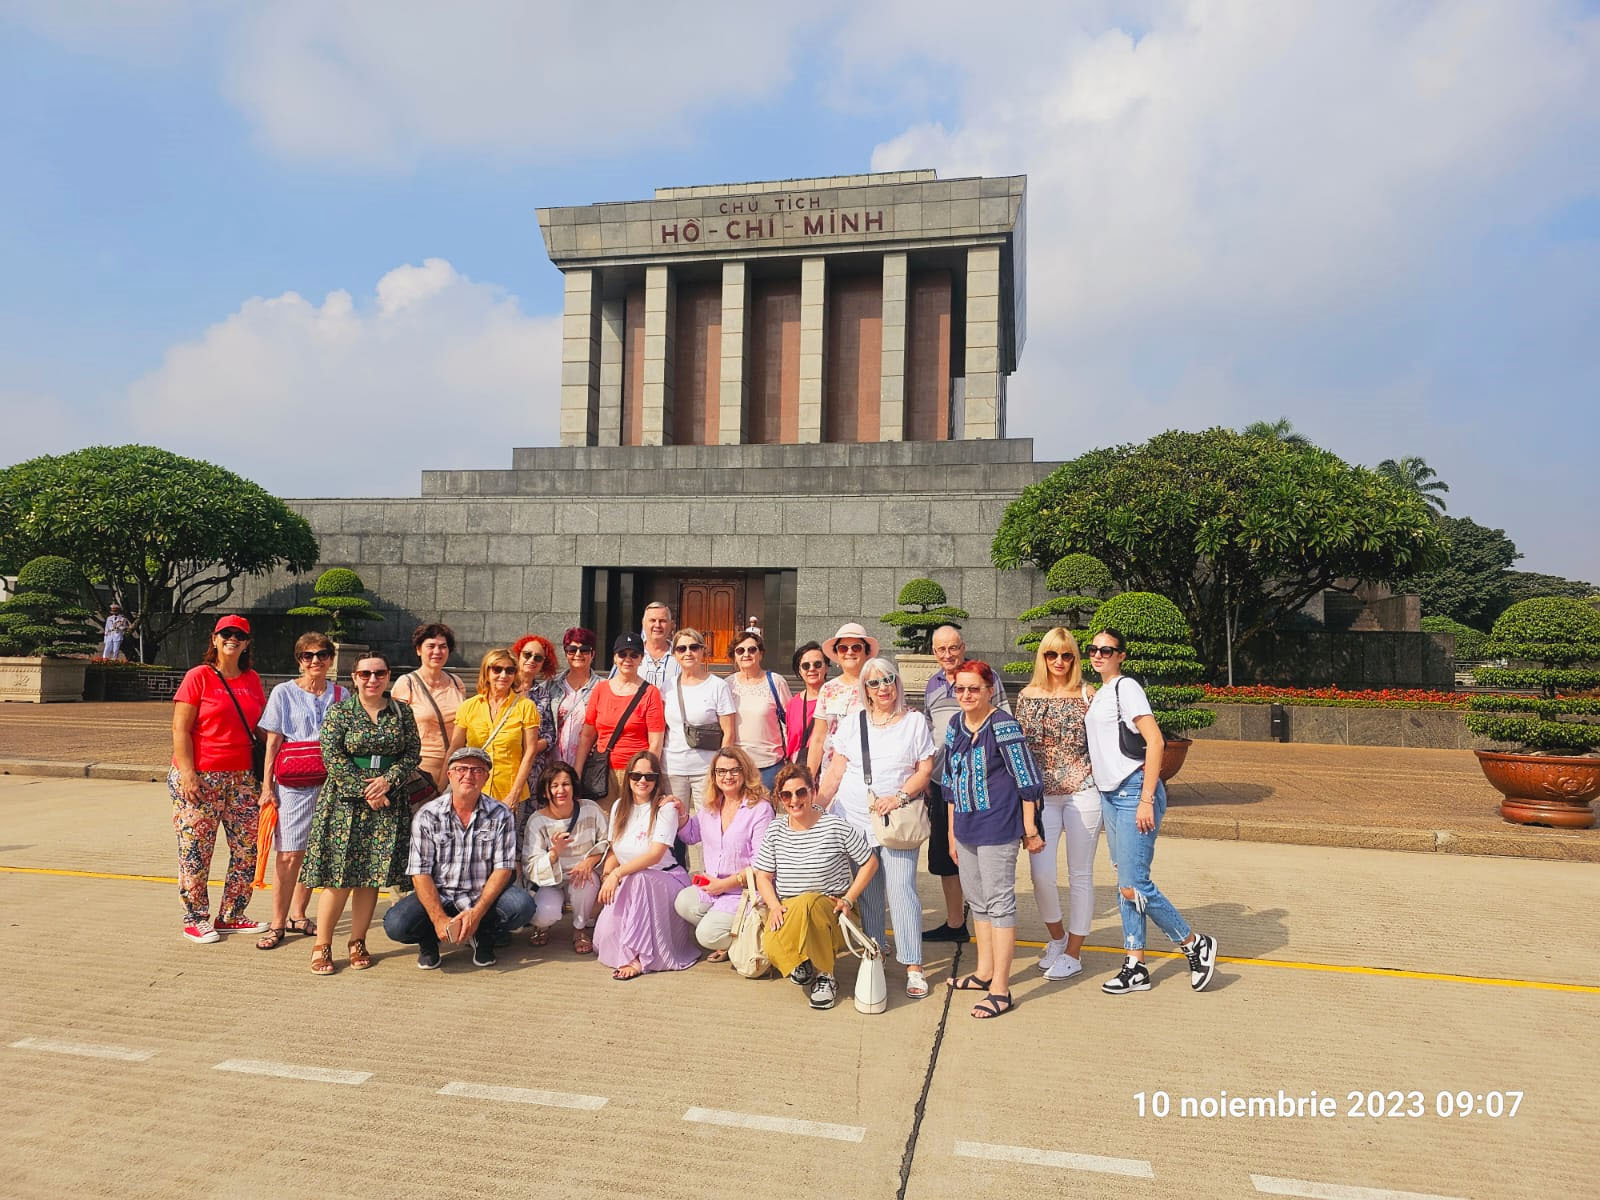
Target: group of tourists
<point>546,791</point>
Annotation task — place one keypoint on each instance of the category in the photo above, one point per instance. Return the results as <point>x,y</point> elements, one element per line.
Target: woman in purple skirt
<point>639,930</point>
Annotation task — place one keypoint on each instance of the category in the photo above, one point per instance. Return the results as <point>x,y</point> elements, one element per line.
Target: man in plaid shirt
<point>463,866</point>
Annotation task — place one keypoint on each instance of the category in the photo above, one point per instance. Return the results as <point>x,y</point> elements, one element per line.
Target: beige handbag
<point>749,919</point>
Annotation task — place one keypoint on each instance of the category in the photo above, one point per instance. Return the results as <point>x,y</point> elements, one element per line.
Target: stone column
<point>613,316</point>
<point>580,358</point>
<point>735,378</point>
<point>813,323</point>
<point>985,404</point>
<point>660,314</point>
<point>892,397</point>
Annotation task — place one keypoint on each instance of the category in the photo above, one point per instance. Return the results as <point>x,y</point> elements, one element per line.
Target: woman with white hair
<point>883,759</point>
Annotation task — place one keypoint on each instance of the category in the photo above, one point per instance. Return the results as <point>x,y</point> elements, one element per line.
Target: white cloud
<point>346,399</point>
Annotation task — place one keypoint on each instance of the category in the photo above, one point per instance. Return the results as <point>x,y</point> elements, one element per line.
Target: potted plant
<point>46,636</point>
<point>1553,773</point>
<point>338,598</point>
<point>1084,579</point>
<point>923,608</point>
<point>1161,657</point>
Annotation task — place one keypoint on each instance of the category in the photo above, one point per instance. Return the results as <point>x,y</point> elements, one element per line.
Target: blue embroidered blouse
<point>987,776</point>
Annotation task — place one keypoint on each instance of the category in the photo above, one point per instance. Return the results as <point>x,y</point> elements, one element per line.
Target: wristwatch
<point>902,796</point>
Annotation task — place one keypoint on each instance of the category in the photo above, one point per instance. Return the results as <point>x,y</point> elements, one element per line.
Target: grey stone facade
<point>498,553</point>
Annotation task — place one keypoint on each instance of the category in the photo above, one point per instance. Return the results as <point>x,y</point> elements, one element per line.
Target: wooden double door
<point>715,606</point>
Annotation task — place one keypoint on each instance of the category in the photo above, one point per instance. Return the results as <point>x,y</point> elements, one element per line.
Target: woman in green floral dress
<point>359,835</point>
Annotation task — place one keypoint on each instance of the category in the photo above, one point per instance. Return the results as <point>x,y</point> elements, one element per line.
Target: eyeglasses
<point>885,681</point>
<point>1105,649</point>
<point>1060,656</point>
<point>850,648</point>
<point>578,649</point>
<point>315,655</point>
<point>643,776</point>
<point>627,655</point>
<point>741,651</point>
<point>502,670</point>
<point>728,770</point>
<point>233,635</point>
<point>532,656</point>
<point>967,689</point>
<point>689,648</point>
<point>955,651</point>
<point>468,769</point>
<point>383,674</point>
<point>799,793</point>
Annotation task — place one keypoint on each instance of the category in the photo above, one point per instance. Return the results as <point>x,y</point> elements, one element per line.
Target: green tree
<point>924,607</point>
<point>1527,585</point>
<point>1474,586</point>
<point>1240,532</point>
<point>1160,656</point>
<point>1416,476</point>
<point>1563,634</point>
<point>1469,641</point>
<point>46,616</point>
<point>169,536</point>
<point>1281,430</point>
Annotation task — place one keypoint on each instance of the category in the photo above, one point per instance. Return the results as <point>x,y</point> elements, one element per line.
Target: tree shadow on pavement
<point>1192,796</point>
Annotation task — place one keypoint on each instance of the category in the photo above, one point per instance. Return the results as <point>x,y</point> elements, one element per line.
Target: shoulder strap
<point>501,724</point>
<point>1116,696</point>
<point>243,720</point>
<point>683,711</point>
<point>414,679</point>
<point>866,751</point>
<point>622,721</point>
<point>783,723</point>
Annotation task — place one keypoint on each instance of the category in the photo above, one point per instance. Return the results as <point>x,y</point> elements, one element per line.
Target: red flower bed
<point>1337,697</point>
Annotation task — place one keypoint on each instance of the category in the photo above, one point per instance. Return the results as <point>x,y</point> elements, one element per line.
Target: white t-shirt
<point>638,835</point>
<point>896,750</point>
<point>704,702</point>
<point>1111,765</point>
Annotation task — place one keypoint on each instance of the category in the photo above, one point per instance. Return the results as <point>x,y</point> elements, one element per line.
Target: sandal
<point>322,960</point>
<point>539,937</point>
<point>968,983</point>
<point>303,925</point>
<point>623,974</point>
<point>916,985</point>
<point>360,960</point>
<point>271,938</point>
<point>717,956</point>
<point>582,943</point>
<point>992,1006</point>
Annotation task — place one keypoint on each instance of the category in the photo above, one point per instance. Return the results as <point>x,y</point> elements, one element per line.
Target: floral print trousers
<point>227,798</point>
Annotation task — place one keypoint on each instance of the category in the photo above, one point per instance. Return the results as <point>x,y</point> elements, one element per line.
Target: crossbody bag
<point>1130,741</point>
<point>698,737</point>
<point>905,827</point>
<point>596,781</point>
<point>258,745</point>
<point>300,764</point>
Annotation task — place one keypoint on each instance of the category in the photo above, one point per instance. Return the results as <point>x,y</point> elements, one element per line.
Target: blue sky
<point>299,239</point>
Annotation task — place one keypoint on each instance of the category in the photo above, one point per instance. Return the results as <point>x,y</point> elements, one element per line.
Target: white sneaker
<point>1053,950</point>
<point>1065,967</point>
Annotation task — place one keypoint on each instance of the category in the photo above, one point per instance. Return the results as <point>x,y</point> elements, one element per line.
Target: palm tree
<point>1415,475</point>
<point>1281,430</point>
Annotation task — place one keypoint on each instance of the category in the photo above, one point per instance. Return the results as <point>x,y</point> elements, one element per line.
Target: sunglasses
<point>643,776</point>
<point>316,656</point>
<point>799,793</point>
<point>502,670</point>
<point>885,681</point>
<point>743,650</point>
<point>850,648</point>
<point>813,666</point>
<point>1105,650</point>
<point>1059,656</point>
<point>689,648</point>
<point>627,655</point>
<point>233,635</point>
<point>382,674</point>
<point>532,656</point>
<point>578,649</point>
<point>967,689</point>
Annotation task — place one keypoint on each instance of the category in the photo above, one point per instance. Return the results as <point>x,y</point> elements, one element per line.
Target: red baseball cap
<point>231,623</point>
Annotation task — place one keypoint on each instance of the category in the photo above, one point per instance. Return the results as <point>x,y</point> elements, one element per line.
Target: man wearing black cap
<point>463,866</point>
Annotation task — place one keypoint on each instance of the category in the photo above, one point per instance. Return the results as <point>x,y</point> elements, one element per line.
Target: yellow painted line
<point>1282,964</point>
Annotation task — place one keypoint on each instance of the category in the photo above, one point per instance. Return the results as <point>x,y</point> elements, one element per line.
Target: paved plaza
<point>141,1065</point>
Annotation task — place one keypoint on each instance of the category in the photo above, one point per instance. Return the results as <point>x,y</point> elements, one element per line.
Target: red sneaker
<point>203,932</point>
<point>242,925</point>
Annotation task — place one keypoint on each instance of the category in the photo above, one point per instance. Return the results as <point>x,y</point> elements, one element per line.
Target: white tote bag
<point>872,990</point>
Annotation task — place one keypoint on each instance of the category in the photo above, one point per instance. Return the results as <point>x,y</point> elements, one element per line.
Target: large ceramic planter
<point>915,671</point>
<point>345,657</point>
<point>42,680</point>
<point>1543,789</point>
<point>1172,756</point>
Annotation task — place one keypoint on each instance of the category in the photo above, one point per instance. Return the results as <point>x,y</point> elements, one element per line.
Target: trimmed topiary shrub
<point>923,608</point>
<point>337,598</point>
<point>1160,656</point>
<point>46,617</point>
<point>1564,635</point>
<point>1082,573</point>
<point>1074,574</point>
<point>1469,641</point>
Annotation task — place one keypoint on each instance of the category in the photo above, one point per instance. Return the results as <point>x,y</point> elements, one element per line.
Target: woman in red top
<point>646,727</point>
<point>218,706</point>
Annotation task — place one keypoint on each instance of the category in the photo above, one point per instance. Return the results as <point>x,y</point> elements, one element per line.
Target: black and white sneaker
<point>483,954</point>
<point>1132,978</point>
<point>1202,956</point>
<point>428,958</point>
<point>803,974</point>
<point>823,992</point>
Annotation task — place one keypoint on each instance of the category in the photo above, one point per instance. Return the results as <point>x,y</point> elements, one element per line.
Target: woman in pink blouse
<point>728,828</point>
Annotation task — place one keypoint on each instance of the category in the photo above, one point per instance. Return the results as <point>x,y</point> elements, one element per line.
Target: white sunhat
<point>850,630</point>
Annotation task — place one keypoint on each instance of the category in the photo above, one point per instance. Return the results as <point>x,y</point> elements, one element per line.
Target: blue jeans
<point>408,923</point>
<point>768,774</point>
<point>896,883</point>
<point>1132,852</point>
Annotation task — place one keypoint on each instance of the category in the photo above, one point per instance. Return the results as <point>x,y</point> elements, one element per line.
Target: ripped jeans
<point>1132,853</point>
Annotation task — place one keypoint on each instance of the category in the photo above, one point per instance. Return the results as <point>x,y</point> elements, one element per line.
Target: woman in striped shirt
<point>811,867</point>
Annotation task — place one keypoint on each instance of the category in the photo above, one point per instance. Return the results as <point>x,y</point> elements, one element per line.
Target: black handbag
<point>699,737</point>
<point>258,744</point>
<point>596,781</point>
<point>1130,741</point>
